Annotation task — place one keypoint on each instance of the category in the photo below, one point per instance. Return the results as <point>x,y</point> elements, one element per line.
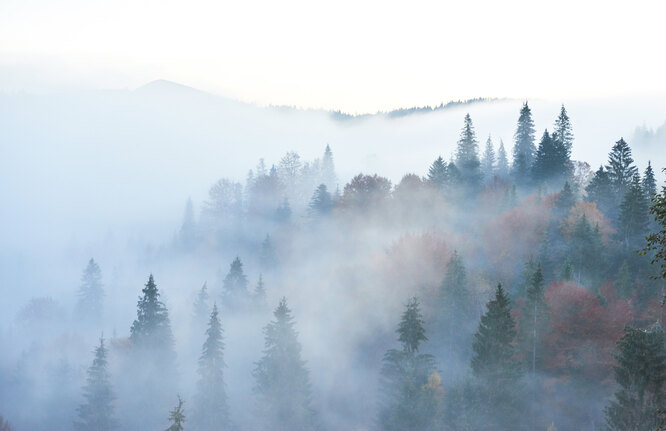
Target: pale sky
<point>357,56</point>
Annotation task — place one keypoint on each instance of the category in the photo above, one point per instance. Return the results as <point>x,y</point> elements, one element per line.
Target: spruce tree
<point>320,203</point>
<point>211,410</point>
<point>282,381</point>
<point>235,285</point>
<point>437,173</point>
<point>649,183</point>
<point>201,306</point>
<point>600,191</point>
<point>623,284</point>
<point>410,386</point>
<point>586,251</point>
<point>534,320</point>
<point>620,169</point>
<point>551,164</point>
<point>283,212</point>
<point>656,240</point>
<point>524,148</point>
<point>488,161</point>
<point>634,215</point>
<point>328,176</point>
<point>177,417</point>
<point>97,413</point>
<point>565,200</point>
<point>259,296</point>
<point>91,293</point>
<point>267,256</point>
<point>502,161</point>
<point>563,132</point>
<point>641,376</point>
<point>467,157</point>
<point>152,329</point>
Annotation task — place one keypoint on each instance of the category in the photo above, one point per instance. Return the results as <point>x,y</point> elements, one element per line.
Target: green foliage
<point>600,191</point>
<point>152,329</point>
<point>96,414</point>
<point>410,385</point>
<point>502,161</point>
<point>211,409</point>
<point>235,285</point>
<point>563,132</point>
<point>620,168</point>
<point>634,219</point>
<point>656,240</point>
<point>321,203</point>
<point>534,322</point>
<point>623,285</point>
<point>201,306</point>
<point>649,183</point>
<point>177,417</point>
<point>282,381</point>
<point>640,374</point>
<point>438,173</point>
<point>565,200</point>
<point>467,157</point>
<point>552,163</point>
<point>488,160</point>
<point>586,252</point>
<point>524,149</point>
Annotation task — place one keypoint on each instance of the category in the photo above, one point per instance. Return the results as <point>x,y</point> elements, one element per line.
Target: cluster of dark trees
<point>577,304</point>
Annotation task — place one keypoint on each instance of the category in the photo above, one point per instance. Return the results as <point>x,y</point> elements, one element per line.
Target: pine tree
<point>563,133</point>
<point>656,240</point>
<point>600,191</point>
<point>467,158</point>
<point>634,214</point>
<point>488,160</point>
<point>177,417</point>
<point>410,384</point>
<point>649,183</point>
<point>259,296</point>
<point>502,161</point>
<point>282,381</point>
<point>641,376</point>
<point>211,409</point>
<point>437,173</point>
<point>91,293</point>
<point>328,176</point>
<point>201,306</point>
<point>586,251</point>
<point>152,329</point>
<point>283,212</point>
<point>235,285</point>
<point>620,169</point>
<point>524,149</point>
<point>552,163</point>
<point>320,203</point>
<point>623,284</point>
<point>565,200</point>
<point>534,321</point>
<point>268,260</point>
<point>187,233</point>
<point>453,306</point>
<point>97,413</point>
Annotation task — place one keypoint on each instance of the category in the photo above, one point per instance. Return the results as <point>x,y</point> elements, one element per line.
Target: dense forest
<point>502,288</point>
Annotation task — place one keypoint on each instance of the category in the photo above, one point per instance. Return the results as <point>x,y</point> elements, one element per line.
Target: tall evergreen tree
<point>152,328</point>
<point>488,161</point>
<point>235,285</point>
<point>502,161</point>
<point>201,306</point>
<point>211,409</point>
<point>551,163</point>
<point>437,173</point>
<point>97,413</point>
<point>534,320</point>
<point>656,240</point>
<point>328,176</point>
<point>320,203</point>
<point>187,233</point>
<point>495,365</point>
<point>634,214</point>
<point>524,149</point>
<point>467,157</point>
<point>641,376</point>
<point>410,383</point>
<point>620,169</point>
<point>565,200</point>
<point>91,293</point>
<point>649,183</point>
<point>177,417</point>
<point>259,296</point>
<point>586,251</point>
<point>623,284</point>
<point>563,132</point>
<point>600,191</point>
<point>282,381</point>
<point>283,212</point>
<point>267,256</point>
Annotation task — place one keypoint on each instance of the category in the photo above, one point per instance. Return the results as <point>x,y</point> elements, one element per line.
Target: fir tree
<point>551,164</point>
<point>467,158</point>
<point>320,203</point>
<point>656,240</point>
<point>282,381</point>
<point>177,417</point>
<point>563,133</point>
<point>488,161</point>
<point>600,191</point>
<point>534,322</point>
<point>634,214</point>
<point>566,271</point>
<point>524,149</point>
<point>586,251</point>
<point>623,284</point>
<point>201,305</point>
<point>641,376</point>
<point>283,212</point>
<point>235,285</point>
<point>187,233</point>
<point>328,176</point>
<point>649,183</point>
<point>211,409</point>
<point>502,161</point>
<point>410,384</point>
<point>437,173</point>
<point>268,260</point>
<point>259,296</point>
<point>565,200</point>
<point>620,168</point>
<point>152,330</point>
<point>91,293</point>
<point>96,414</point>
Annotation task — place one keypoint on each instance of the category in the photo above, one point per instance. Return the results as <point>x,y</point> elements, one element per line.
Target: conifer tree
<point>649,183</point>
<point>267,257</point>
<point>467,157</point>
<point>259,296</point>
<point>410,384</point>
<point>437,173</point>
<point>283,212</point>
<point>211,409</point>
<point>97,413</point>
<point>551,163</point>
<point>201,305</point>
<point>634,214</point>
<point>328,176</point>
<point>656,240</point>
<point>623,284</point>
<point>586,251</point>
<point>524,148</point>
<point>600,191</point>
<point>502,161</point>
<point>641,376</point>
<point>177,417</point>
<point>187,233</point>
<point>235,285</point>
<point>282,381</point>
<point>91,293</point>
<point>534,321</point>
<point>488,161</point>
<point>152,329</point>
<point>320,203</point>
<point>563,132</point>
<point>565,200</point>
<point>453,304</point>
<point>620,169</point>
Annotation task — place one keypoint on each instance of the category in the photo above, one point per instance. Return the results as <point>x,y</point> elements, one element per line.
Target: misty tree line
<point>579,318</point>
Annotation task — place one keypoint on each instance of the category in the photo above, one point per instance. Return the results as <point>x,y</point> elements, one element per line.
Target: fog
<point>107,175</point>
